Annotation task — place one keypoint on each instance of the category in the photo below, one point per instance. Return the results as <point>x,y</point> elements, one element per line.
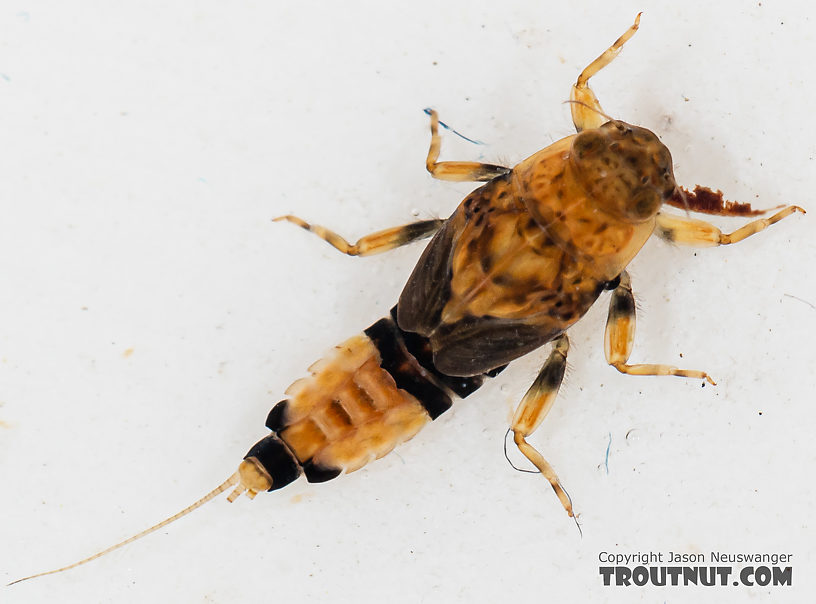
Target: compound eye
<point>644,204</point>
<point>588,144</point>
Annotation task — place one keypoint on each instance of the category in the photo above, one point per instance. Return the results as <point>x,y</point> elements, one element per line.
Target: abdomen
<point>371,393</point>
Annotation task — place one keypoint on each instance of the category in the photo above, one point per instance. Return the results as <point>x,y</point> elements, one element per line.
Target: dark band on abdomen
<point>276,458</point>
<point>317,473</point>
<point>402,366</point>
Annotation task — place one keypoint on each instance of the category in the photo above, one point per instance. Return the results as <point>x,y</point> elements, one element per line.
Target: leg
<point>376,243</point>
<point>698,233</point>
<point>457,170</point>
<point>620,337</point>
<point>586,110</point>
<point>534,407</point>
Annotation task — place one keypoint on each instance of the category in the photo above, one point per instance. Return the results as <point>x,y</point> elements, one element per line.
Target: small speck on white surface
<point>151,313</point>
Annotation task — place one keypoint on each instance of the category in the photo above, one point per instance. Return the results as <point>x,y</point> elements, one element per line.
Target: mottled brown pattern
<point>543,249</point>
<point>524,256</point>
<point>349,411</point>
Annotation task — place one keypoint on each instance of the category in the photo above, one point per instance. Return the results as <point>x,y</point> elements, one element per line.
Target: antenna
<point>590,107</point>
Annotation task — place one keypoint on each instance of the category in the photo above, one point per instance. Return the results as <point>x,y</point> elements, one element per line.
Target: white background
<point>151,314</point>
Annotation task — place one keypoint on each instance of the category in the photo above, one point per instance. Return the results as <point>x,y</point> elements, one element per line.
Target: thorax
<point>532,245</point>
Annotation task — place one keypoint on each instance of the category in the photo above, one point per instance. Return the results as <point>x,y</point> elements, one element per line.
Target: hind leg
<point>533,409</point>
